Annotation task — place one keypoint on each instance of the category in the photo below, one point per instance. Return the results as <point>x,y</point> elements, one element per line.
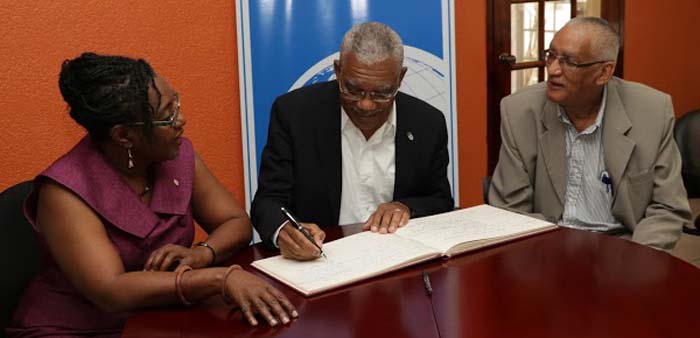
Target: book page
<point>350,259</point>
<point>481,222</point>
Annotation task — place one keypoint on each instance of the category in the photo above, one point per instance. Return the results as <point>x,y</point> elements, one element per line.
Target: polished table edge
<point>436,267</point>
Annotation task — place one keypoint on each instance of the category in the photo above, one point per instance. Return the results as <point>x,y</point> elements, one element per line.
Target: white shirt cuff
<point>277,233</point>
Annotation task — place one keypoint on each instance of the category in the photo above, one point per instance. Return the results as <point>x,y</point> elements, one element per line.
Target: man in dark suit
<point>354,150</point>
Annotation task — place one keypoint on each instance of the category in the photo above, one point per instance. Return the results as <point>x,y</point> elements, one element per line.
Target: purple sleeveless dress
<point>51,306</point>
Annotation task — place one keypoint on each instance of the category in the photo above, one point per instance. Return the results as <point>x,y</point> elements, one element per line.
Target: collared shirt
<point>368,168</point>
<point>589,194</point>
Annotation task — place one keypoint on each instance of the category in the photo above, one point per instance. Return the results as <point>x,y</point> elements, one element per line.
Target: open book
<point>366,254</point>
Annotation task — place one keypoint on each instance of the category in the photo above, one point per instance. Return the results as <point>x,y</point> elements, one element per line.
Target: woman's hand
<point>255,296</point>
<point>164,257</point>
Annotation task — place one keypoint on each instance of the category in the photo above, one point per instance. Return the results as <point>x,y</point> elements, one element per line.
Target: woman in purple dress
<point>115,214</point>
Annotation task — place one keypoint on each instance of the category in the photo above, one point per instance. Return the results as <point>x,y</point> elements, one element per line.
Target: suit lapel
<point>553,143</point>
<point>329,148</point>
<point>617,146</point>
<point>402,152</point>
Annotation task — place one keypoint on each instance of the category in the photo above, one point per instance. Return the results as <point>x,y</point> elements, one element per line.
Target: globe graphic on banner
<point>425,77</point>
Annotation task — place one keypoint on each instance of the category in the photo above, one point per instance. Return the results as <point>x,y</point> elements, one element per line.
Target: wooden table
<point>565,283</point>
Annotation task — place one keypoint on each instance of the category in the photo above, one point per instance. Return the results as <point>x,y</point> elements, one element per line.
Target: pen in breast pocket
<point>302,230</point>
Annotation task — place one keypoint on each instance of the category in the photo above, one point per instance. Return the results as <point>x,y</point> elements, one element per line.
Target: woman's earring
<point>131,158</point>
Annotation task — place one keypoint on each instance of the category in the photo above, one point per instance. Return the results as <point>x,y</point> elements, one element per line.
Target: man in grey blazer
<point>591,151</point>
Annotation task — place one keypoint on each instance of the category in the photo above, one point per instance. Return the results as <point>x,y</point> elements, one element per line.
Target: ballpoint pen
<point>302,230</point>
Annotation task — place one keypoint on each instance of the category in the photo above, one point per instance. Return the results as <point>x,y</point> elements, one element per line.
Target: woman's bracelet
<point>178,284</point>
<point>225,296</point>
<point>211,248</point>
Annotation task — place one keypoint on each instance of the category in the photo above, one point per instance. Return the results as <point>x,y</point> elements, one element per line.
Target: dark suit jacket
<point>301,163</point>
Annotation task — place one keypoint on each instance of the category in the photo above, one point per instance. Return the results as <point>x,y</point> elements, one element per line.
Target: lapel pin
<point>410,136</point>
<point>176,182</point>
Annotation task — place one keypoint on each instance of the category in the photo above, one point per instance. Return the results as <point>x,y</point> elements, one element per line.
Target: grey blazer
<point>640,154</point>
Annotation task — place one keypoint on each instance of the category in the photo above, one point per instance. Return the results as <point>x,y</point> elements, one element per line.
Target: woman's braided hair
<point>104,90</point>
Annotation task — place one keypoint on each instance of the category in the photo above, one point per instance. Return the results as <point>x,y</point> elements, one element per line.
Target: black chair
<point>485,186</point>
<point>686,134</point>
<point>21,258</point>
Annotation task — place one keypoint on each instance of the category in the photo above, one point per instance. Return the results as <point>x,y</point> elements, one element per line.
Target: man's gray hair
<point>606,41</point>
<point>372,42</point>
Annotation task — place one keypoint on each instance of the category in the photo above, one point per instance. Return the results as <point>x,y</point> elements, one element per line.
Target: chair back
<point>21,257</point>
<point>485,186</point>
<point>686,132</point>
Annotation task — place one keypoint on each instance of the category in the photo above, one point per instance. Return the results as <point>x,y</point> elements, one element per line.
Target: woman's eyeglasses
<point>170,121</point>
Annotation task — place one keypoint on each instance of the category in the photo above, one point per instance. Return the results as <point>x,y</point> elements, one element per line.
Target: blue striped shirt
<point>589,194</point>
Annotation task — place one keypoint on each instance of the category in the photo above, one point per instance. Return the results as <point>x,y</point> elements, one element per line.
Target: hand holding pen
<point>300,241</point>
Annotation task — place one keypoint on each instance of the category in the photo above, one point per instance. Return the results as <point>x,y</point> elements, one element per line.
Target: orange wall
<point>662,44</point>
<point>193,44</point>
<point>470,40</point>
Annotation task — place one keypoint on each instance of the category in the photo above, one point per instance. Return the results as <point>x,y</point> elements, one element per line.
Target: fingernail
<point>374,229</point>
<point>254,322</point>
<point>295,314</point>
<point>273,322</point>
<point>285,319</point>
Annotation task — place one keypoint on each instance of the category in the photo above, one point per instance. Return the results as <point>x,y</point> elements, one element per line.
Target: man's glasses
<point>566,62</point>
<point>352,93</point>
<point>170,121</point>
